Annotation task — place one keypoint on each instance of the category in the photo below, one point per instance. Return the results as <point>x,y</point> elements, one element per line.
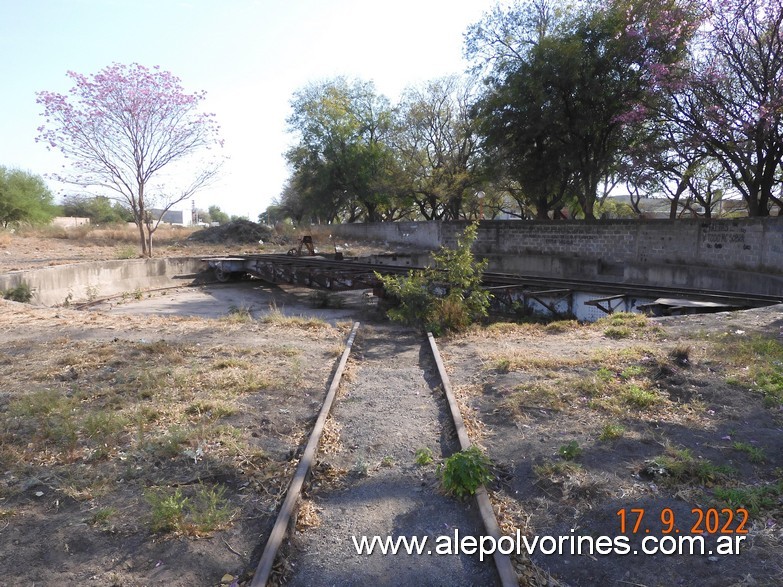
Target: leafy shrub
<point>445,297</point>
<point>21,293</point>
<point>570,451</point>
<point>423,456</point>
<point>464,472</point>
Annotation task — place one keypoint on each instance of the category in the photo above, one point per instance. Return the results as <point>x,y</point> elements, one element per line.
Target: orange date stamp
<point>701,521</point>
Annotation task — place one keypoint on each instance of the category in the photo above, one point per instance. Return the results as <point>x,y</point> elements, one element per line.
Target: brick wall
<point>739,255</point>
<point>751,244</point>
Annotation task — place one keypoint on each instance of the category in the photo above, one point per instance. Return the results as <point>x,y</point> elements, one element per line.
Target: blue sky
<point>250,56</point>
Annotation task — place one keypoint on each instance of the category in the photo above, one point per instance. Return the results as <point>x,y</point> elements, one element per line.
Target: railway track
<point>338,275</point>
<point>399,401</point>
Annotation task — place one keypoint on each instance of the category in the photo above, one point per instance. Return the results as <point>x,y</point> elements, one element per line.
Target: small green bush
<point>570,451</point>
<point>21,293</point>
<point>423,456</point>
<point>168,510</point>
<point>447,297</point>
<point>464,472</point>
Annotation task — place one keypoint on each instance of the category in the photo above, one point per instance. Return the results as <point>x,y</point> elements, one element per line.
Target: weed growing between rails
<point>464,472</point>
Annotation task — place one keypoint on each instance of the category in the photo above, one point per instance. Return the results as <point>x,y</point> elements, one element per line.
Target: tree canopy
<point>24,197</point>
<point>675,99</point>
<point>127,131</point>
<point>565,90</point>
<point>99,209</point>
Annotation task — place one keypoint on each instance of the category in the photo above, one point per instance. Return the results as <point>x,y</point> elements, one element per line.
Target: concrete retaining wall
<point>740,255</point>
<point>426,235</point>
<point>85,281</point>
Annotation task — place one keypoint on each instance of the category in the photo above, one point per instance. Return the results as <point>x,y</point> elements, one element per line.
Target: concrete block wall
<point>747,243</point>
<point>735,255</point>
<point>425,235</point>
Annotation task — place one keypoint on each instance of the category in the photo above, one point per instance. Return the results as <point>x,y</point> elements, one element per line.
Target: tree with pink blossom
<point>566,90</point>
<point>732,105</point>
<point>128,132</point>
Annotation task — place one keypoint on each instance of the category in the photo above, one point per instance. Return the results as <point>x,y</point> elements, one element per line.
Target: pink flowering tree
<point>128,131</point>
<point>567,90</point>
<point>733,104</point>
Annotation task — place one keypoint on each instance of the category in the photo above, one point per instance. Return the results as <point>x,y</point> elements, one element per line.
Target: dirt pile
<point>237,231</point>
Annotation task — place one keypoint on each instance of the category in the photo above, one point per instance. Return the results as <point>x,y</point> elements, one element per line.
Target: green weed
<point>638,397</point>
<point>618,332</point>
<point>611,431</point>
<point>679,466</point>
<point>464,472</point>
<point>570,451</point>
<point>755,453</point>
<point>101,516</point>
<point>168,510</point>
<point>754,498</point>
<point>423,456</point>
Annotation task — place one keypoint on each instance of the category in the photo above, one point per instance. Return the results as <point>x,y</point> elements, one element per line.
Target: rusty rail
<point>264,568</point>
<point>508,576</point>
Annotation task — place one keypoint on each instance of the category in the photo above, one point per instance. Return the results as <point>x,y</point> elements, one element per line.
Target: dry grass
<point>330,438</point>
<point>307,515</point>
<point>107,235</point>
<point>160,401</point>
<point>521,360</point>
<point>473,424</point>
<point>276,317</point>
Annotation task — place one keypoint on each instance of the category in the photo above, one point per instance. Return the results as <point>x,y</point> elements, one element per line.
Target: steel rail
<point>505,569</point>
<point>264,568</point>
<point>365,272</point>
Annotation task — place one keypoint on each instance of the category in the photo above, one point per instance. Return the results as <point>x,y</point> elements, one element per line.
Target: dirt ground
<point>588,429</point>
<point>140,445</point>
<point>386,412</point>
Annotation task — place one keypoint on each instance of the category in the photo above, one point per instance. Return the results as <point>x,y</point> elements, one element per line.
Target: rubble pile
<point>237,231</point>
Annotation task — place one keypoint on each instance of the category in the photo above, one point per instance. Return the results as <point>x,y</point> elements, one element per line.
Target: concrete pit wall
<point>423,235</point>
<point>740,255</point>
<point>83,282</point>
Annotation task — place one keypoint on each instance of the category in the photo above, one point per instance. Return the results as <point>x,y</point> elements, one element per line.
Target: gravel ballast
<point>391,408</point>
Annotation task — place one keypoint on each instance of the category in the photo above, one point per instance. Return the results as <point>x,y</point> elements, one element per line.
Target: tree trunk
<point>141,212</point>
<point>142,236</point>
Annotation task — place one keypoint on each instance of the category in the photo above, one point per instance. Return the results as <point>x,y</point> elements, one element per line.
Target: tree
<point>99,209</point>
<point>121,128</point>
<point>24,197</point>
<point>438,147</point>
<point>733,102</point>
<point>565,91</point>
<point>445,297</point>
<point>217,215</point>
<point>342,163</point>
